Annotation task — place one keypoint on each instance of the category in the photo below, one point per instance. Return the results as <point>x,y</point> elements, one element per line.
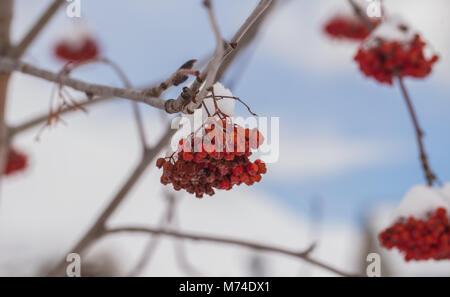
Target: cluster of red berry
<point>420,239</point>
<point>388,59</point>
<point>16,161</point>
<point>87,50</point>
<point>348,27</point>
<point>220,160</point>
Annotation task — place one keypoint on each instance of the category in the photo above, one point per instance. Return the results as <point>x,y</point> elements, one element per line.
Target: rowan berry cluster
<point>219,159</point>
<point>386,59</point>
<point>347,27</point>
<point>420,239</point>
<point>87,49</point>
<point>16,161</point>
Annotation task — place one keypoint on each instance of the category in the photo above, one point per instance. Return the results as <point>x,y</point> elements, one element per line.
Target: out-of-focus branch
<point>135,105</point>
<point>430,177</point>
<point>18,50</point>
<point>98,228</point>
<point>246,39</point>
<point>153,242</point>
<point>14,130</point>
<point>213,66</point>
<point>304,255</point>
<point>154,89</point>
<point>6,13</point>
<point>181,103</point>
<point>8,65</point>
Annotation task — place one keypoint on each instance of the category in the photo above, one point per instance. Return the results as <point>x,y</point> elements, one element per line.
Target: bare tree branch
<point>6,13</point>
<point>175,105</point>
<point>18,50</point>
<point>213,66</point>
<point>14,130</point>
<point>98,227</point>
<point>8,65</point>
<point>153,242</point>
<point>430,177</point>
<point>135,105</point>
<point>304,255</point>
<point>178,77</point>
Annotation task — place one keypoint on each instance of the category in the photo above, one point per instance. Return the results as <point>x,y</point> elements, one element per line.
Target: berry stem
<point>429,175</point>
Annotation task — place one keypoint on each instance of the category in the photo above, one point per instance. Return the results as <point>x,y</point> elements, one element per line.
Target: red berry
<point>16,161</point>
<point>252,169</point>
<point>160,162</point>
<point>348,27</point>
<point>188,156</point>
<point>390,58</point>
<point>87,49</point>
<point>210,166</point>
<point>420,239</point>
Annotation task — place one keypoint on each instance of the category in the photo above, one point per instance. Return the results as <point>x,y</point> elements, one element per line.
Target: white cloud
<point>325,154</point>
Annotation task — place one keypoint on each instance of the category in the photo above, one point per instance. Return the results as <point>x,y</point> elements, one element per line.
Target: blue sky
<point>309,82</point>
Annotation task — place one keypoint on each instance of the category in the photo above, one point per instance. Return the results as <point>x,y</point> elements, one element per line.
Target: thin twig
<point>175,105</point>
<point>243,41</point>
<point>98,227</point>
<point>304,255</point>
<point>14,130</point>
<point>136,111</point>
<point>18,50</point>
<point>182,259</point>
<point>430,177</point>
<point>178,77</point>
<point>213,66</point>
<point>153,242</point>
<point>6,13</point>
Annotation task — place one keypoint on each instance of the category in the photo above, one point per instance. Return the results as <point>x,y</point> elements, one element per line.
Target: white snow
<point>193,123</point>
<point>389,30</point>
<point>445,192</point>
<point>419,201</point>
<point>76,35</point>
<point>393,262</point>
